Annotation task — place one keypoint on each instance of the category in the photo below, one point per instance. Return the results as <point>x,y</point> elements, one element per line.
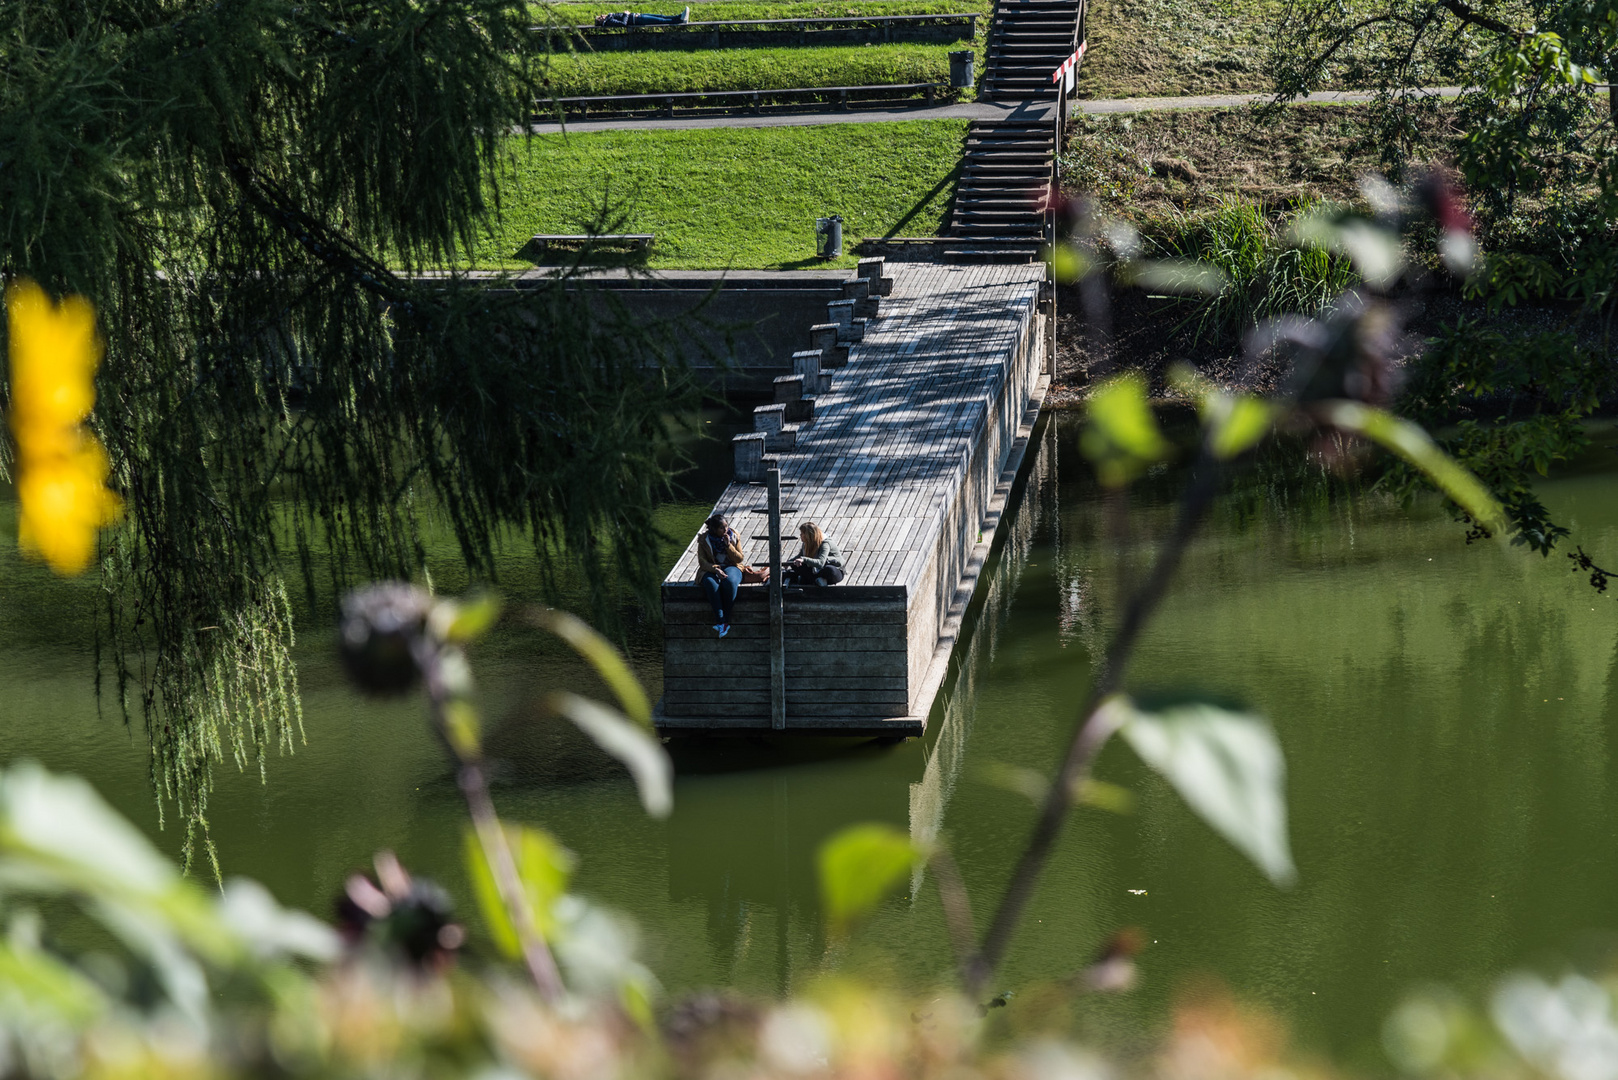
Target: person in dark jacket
<point>720,564</point>
<point>820,562</point>
<point>641,18</point>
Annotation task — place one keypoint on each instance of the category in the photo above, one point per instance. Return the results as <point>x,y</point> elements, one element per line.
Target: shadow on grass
<point>596,251</point>
<point>921,204</point>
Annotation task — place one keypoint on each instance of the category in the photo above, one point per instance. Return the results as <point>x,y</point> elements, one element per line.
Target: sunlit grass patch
<point>668,71</point>
<point>732,197</point>
<point>584,12</point>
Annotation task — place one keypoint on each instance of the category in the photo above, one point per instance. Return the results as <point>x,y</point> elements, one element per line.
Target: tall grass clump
<point>1267,271</point>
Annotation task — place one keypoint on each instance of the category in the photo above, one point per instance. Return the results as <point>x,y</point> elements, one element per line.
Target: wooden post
<point>778,643</point>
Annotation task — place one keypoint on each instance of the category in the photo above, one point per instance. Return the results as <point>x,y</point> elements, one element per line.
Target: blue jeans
<point>721,592</point>
<point>643,19</point>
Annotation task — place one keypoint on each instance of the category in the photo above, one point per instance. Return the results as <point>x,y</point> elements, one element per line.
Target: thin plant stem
<point>497,852</point>
<point>490,833</point>
<point>1094,731</point>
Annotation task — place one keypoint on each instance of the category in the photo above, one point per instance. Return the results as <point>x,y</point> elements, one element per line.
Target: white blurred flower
<point>796,1039</point>
<point>1565,1028</point>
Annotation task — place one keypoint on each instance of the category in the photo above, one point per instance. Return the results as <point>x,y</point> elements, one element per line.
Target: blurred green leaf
<point>642,754</point>
<point>1068,263</point>
<point>57,837</point>
<point>1227,766</point>
<point>469,619</point>
<point>463,728</point>
<point>1375,251</point>
<point>1180,276</point>
<point>1122,437</point>
<point>37,988</point>
<point>596,948</point>
<point>607,661</point>
<point>1105,796</point>
<point>859,866</point>
<point>1234,422</point>
<point>1237,423</point>
<point>154,939</point>
<point>1412,444</point>
<point>61,822</point>
<point>1033,786</point>
<point>272,931</point>
<point>543,866</point>
<point>1019,779</point>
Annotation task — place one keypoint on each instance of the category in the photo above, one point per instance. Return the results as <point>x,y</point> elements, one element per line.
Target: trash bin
<point>960,69</point>
<point>829,236</point>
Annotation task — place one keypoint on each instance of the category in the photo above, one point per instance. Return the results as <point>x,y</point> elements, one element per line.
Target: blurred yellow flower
<point>62,497</point>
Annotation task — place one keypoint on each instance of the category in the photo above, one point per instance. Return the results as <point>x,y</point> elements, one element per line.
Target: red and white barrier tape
<point>1070,63</point>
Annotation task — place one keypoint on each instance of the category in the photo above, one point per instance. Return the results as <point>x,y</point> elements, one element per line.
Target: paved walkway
<point>971,110</point>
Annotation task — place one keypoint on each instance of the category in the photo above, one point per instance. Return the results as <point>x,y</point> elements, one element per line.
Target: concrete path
<point>972,110</point>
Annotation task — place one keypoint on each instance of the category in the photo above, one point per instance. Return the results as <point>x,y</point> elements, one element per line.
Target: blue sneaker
<point>719,628</point>
<point>724,628</point>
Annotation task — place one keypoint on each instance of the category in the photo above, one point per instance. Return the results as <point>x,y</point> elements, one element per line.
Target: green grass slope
<point>663,71</point>
<point>584,12</point>
<point>742,198</point>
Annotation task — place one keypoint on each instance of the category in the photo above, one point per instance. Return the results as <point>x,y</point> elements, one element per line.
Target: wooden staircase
<point>1027,40</point>
<point>1009,164</point>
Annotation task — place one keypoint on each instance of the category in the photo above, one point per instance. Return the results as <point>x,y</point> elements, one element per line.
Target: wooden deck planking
<point>890,468</point>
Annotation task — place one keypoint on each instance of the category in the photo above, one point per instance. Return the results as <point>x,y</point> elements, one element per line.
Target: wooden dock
<point>900,434</point>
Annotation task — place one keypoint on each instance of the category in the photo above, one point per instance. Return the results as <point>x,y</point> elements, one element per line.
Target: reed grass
<point>1267,274</point>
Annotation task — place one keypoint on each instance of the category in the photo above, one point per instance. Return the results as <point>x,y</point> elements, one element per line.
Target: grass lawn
<point>584,12</point>
<point>663,70</point>
<point>743,198</point>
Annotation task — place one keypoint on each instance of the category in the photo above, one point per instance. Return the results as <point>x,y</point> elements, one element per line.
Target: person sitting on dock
<point>820,563</point>
<point>720,568</point>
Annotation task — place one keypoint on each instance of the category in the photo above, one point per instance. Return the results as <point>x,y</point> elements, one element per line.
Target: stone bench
<point>541,242</point>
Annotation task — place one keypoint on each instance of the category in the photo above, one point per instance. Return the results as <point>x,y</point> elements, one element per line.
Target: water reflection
<point>1447,712</point>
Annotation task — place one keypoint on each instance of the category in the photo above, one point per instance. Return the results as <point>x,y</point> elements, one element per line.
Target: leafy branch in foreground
<point>1226,763</point>
<point>1228,766</point>
<point>395,635</point>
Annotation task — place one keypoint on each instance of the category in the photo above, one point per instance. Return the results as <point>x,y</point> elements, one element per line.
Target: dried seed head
<point>381,624</point>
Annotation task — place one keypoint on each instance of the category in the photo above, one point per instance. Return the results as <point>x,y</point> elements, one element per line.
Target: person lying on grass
<point>641,18</point>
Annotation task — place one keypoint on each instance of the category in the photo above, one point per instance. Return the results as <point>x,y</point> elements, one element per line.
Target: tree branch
<point>1476,18</point>
<point>1095,729</point>
<point>331,250</point>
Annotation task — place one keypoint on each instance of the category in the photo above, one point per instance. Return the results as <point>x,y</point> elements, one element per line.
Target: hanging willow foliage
<point>253,193</point>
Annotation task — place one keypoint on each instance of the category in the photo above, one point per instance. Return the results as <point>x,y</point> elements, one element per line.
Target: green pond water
<point>1446,713</point>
